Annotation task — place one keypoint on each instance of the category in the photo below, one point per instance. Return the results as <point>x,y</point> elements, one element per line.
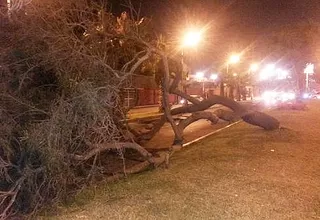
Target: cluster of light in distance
<point>200,76</point>
<point>275,97</point>
<point>270,72</point>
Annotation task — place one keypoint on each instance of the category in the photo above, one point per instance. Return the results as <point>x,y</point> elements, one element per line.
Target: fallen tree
<point>238,111</point>
<point>62,113</point>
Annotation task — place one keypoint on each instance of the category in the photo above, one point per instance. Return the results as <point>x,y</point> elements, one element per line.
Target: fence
<point>133,97</point>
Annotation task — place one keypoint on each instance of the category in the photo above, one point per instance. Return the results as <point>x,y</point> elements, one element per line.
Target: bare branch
<point>126,66</point>
<point>165,85</point>
<point>197,116</point>
<point>139,62</point>
<point>207,103</point>
<point>98,148</point>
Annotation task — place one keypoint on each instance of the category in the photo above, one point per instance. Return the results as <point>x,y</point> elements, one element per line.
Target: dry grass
<point>241,173</point>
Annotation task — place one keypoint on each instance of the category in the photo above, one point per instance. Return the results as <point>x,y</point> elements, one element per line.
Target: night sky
<point>235,23</point>
<point>254,14</point>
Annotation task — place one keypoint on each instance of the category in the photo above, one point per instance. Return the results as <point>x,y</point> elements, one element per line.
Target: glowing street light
<point>199,76</point>
<point>192,38</point>
<point>214,76</point>
<point>234,59</point>
<point>254,67</point>
<point>267,72</point>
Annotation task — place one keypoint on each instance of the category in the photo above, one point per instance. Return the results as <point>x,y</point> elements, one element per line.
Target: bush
<point>62,68</point>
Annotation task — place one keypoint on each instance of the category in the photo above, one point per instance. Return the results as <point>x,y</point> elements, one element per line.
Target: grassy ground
<point>241,173</point>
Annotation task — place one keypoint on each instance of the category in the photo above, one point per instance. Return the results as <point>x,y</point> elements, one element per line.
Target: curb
<point>211,133</point>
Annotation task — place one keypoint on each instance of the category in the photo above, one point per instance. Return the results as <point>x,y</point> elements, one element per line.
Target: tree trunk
<point>262,120</point>
<point>226,115</point>
<point>255,118</point>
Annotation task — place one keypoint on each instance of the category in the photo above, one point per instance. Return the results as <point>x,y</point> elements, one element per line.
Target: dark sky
<point>256,14</point>
<point>236,23</point>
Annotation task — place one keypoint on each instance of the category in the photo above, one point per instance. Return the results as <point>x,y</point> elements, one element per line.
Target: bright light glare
<point>282,74</point>
<point>234,59</point>
<point>271,67</point>
<point>269,97</point>
<point>274,97</point>
<point>254,67</point>
<point>214,76</point>
<point>306,95</point>
<point>199,75</point>
<point>268,72</point>
<point>192,38</point>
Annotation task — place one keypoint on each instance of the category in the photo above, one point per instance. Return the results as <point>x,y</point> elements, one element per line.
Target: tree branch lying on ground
<point>63,68</point>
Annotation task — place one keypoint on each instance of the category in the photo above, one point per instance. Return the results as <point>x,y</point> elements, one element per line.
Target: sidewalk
<point>145,112</point>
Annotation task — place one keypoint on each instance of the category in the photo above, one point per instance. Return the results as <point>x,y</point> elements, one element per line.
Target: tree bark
<point>262,120</point>
<point>166,105</point>
<point>197,116</point>
<point>255,118</point>
<point>226,115</point>
<point>207,103</point>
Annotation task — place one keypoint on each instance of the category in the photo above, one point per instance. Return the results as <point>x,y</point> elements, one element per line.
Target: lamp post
<point>232,60</point>
<point>190,39</point>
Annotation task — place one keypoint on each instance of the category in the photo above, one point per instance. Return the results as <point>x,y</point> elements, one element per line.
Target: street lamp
<point>214,76</point>
<point>191,38</point>
<point>254,67</point>
<point>232,60</point>
<point>235,58</point>
<point>268,72</point>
